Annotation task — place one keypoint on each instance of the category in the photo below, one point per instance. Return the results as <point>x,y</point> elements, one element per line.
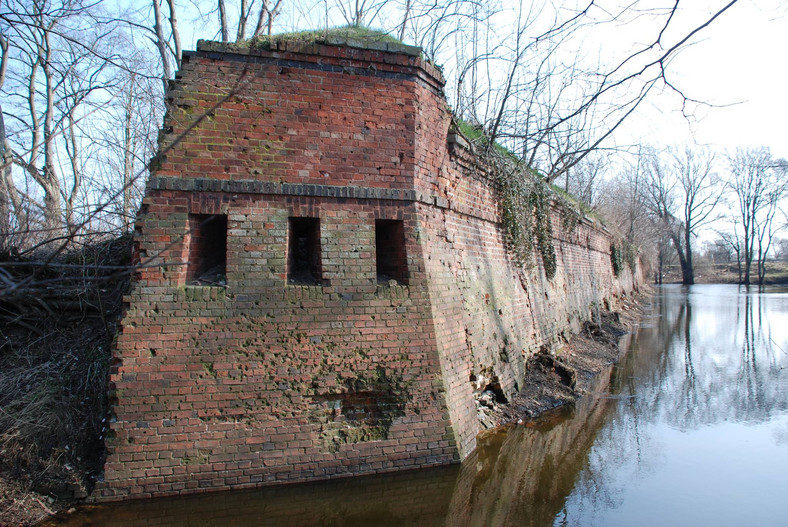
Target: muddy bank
<point>555,379</point>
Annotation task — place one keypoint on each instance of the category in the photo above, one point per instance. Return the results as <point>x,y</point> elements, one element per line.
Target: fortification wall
<point>490,313</point>
<point>326,282</point>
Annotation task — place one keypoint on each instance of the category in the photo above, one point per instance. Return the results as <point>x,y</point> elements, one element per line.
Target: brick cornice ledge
<point>291,189</point>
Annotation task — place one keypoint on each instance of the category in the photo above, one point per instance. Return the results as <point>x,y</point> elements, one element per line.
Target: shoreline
<point>556,380</point>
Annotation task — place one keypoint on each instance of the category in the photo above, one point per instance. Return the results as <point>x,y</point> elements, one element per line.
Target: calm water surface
<point>690,429</point>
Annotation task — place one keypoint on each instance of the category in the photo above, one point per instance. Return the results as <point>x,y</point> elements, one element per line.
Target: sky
<point>740,68</point>
<point>737,66</point>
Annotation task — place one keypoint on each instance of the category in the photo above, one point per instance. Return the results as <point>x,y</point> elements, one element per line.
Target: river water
<point>691,428</point>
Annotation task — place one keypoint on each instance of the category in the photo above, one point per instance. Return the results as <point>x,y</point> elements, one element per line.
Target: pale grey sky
<point>741,66</point>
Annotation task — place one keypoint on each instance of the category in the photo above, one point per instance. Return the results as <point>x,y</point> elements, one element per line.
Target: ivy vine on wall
<point>616,258</point>
<point>525,201</point>
<point>621,254</point>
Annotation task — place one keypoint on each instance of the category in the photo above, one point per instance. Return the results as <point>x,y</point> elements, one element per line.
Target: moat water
<point>691,428</point>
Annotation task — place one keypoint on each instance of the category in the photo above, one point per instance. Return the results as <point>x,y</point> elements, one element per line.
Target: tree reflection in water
<point>708,380</point>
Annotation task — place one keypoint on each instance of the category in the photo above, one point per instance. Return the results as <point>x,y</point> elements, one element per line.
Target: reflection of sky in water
<point>704,440</point>
<point>729,474</point>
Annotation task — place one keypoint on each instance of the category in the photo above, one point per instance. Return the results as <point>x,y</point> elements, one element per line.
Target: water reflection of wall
<point>522,475</point>
<point>710,363</point>
<point>419,497</point>
<point>710,355</point>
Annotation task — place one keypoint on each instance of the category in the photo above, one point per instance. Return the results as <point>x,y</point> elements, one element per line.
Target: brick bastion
<point>326,283</point>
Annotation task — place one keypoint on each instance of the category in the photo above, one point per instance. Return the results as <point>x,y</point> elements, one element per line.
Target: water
<point>690,429</point>
<point>699,434</point>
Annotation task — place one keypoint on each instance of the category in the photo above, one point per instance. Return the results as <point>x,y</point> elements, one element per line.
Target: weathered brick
<point>255,379</point>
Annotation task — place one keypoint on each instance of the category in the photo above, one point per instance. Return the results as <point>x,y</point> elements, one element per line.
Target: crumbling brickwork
<point>296,355</point>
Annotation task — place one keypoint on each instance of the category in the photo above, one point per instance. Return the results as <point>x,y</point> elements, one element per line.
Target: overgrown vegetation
<point>616,259</point>
<point>525,202</point>
<point>322,36</point>
<point>57,322</point>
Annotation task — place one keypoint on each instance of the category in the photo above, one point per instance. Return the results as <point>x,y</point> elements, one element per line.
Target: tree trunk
<point>10,202</point>
<point>240,34</point>
<point>686,266</point>
<point>161,43</point>
<point>128,159</point>
<point>687,271</point>
<point>747,257</point>
<point>176,34</point>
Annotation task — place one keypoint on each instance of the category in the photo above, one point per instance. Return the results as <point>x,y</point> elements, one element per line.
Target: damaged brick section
<point>334,292</point>
<point>363,411</point>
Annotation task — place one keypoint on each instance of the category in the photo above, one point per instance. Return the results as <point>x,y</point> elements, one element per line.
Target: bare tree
<point>757,183</point>
<point>584,179</point>
<point>169,48</point>
<point>36,29</point>
<point>553,111</point>
<point>267,13</point>
<point>358,12</point>
<point>732,240</point>
<point>269,10</point>
<point>12,216</point>
<point>63,75</point>
<point>781,249</point>
<point>619,200</point>
<point>765,226</point>
<point>682,193</point>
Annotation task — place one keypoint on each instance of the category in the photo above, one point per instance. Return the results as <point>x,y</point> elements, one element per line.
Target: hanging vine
<point>525,201</point>
<point>525,213</point>
<point>631,254</point>
<point>517,220</point>
<point>616,258</point>
<point>540,202</point>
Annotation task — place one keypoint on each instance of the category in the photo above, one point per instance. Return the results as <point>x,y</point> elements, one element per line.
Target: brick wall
<point>248,378</point>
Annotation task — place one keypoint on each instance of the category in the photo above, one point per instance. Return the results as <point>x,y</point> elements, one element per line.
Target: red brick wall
<point>262,382</point>
<point>491,314</point>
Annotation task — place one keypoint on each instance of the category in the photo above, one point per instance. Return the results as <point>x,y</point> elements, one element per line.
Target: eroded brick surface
<point>256,379</point>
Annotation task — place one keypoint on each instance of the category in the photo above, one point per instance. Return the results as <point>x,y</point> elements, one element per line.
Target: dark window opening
<point>303,251</point>
<point>207,250</point>
<point>392,260</point>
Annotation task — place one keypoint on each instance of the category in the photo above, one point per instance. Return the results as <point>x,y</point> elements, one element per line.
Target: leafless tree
<point>269,10</point>
<point>582,182</point>
<point>553,111</point>
<point>50,79</point>
<point>358,12</point>
<point>682,193</point>
<point>66,69</point>
<point>12,215</point>
<point>237,21</point>
<point>758,184</point>
<point>620,202</point>
<point>781,249</point>
<point>169,46</point>
<point>731,239</point>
